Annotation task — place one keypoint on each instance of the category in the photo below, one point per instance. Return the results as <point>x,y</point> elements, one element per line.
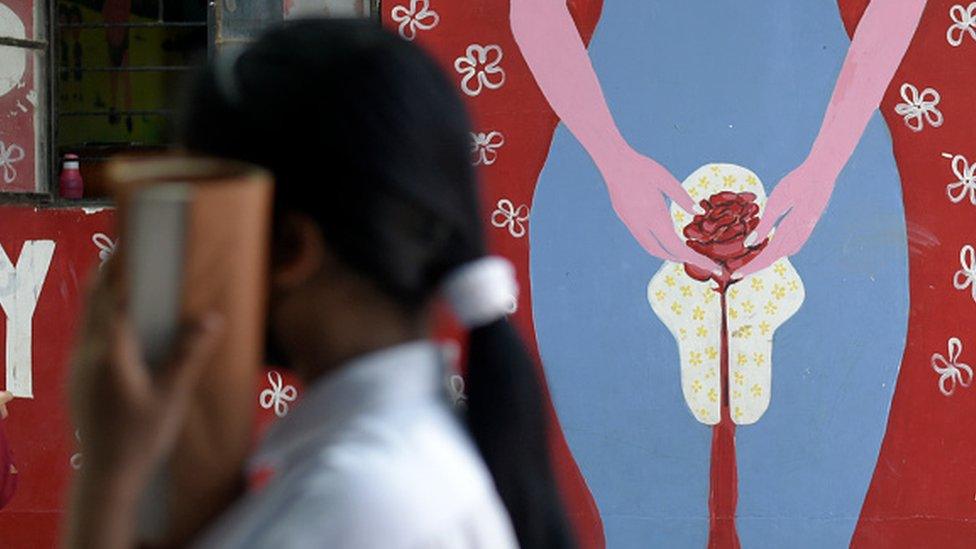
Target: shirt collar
<point>397,375</point>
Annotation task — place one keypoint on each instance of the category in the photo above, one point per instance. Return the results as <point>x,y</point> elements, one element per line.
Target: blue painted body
<point>689,83</point>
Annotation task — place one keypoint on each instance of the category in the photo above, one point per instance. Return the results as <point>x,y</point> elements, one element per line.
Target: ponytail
<point>506,417</point>
<point>508,423</point>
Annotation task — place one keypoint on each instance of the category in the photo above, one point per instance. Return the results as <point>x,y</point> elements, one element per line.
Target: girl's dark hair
<point>365,135</point>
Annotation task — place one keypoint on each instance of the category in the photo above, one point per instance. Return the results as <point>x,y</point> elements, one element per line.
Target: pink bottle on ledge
<point>70,183</point>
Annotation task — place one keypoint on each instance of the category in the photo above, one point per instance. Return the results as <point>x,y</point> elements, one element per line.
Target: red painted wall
<point>38,428</point>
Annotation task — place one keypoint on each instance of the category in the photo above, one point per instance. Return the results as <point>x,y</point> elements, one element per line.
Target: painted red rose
<point>720,234</point>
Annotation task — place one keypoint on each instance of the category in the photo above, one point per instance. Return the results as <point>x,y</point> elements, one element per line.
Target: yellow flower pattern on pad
<point>764,301</point>
<point>779,292</point>
<point>693,314</point>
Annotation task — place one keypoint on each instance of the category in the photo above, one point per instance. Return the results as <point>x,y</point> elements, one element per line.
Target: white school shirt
<point>373,457</point>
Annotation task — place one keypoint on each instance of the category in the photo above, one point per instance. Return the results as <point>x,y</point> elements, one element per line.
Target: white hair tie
<point>482,291</point>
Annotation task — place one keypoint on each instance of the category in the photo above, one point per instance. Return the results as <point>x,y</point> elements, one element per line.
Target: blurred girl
<point>376,216</point>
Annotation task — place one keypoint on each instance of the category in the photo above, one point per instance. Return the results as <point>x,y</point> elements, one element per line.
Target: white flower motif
<point>484,147</point>
<point>964,21</point>
<point>918,105</point>
<point>75,460</point>
<point>455,387</point>
<point>9,155</point>
<point>952,372</point>
<point>479,67</point>
<point>412,19</point>
<point>966,277</point>
<point>966,184</point>
<point>506,215</point>
<point>105,245</point>
<point>279,395</point>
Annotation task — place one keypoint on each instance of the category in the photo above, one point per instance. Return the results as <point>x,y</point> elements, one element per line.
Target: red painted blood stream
<point>723,477</point>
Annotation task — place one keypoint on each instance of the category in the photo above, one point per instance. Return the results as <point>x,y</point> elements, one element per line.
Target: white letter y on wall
<point>20,288</point>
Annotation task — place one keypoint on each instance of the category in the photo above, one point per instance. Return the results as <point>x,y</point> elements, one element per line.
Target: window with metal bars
<point>119,68</point>
<point>97,78</point>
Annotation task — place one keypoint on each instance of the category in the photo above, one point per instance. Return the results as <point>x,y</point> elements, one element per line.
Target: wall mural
<point>712,382</point>
<point>716,382</point>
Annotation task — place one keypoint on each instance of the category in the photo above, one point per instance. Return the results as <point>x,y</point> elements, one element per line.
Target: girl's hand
<point>638,186</point>
<point>5,397</point>
<point>129,416</point>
